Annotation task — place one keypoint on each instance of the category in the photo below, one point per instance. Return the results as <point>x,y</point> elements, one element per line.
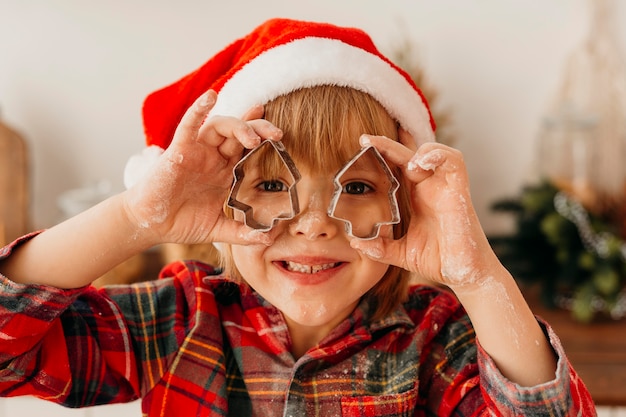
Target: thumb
<point>380,249</point>
<point>194,117</point>
<point>237,233</point>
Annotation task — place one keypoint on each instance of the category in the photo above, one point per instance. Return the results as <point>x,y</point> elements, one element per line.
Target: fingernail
<point>254,140</point>
<point>207,99</point>
<point>431,160</point>
<point>277,133</point>
<point>364,140</point>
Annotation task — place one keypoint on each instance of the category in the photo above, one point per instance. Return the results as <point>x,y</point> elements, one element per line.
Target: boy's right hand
<point>181,199</point>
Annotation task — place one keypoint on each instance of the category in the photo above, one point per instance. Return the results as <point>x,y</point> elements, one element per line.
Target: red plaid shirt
<point>194,343</point>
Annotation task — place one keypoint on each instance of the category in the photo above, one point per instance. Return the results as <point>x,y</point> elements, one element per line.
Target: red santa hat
<point>278,57</point>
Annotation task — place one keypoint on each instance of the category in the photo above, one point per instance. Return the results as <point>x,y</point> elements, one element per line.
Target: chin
<point>316,314</point>
<point>306,313</point>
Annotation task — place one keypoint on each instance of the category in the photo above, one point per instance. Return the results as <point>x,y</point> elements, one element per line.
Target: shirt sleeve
<point>51,350</point>
<point>565,395</point>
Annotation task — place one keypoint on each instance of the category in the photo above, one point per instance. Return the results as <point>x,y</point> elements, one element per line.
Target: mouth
<point>309,269</point>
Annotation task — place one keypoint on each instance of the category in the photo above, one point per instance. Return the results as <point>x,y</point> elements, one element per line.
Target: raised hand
<point>181,199</point>
<point>445,242</point>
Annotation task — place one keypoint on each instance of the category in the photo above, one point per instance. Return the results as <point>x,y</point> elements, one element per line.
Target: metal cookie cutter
<point>279,149</point>
<point>248,211</point>
<point>391,193</point>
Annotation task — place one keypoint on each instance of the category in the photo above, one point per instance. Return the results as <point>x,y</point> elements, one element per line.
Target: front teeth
<point>309,269</point>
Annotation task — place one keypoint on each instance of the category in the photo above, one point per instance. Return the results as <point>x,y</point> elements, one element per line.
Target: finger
<point>233,148</point>
<point>431,156</point>
<point>255,112</point>
<point>249,134</point>
<point>397,154</point>
<point>384,250</point>
<point>194,117</point>
<point>266,129</point>
<point>237,233</point>
<point>393,151</point>
<point>423,163</point>
<point>219,128</point>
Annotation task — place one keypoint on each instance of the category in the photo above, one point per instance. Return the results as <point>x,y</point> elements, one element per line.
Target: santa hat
<point>276,58</point>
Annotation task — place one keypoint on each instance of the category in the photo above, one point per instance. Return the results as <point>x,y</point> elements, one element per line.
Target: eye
<point>357,187</point>
<point>272,186</point>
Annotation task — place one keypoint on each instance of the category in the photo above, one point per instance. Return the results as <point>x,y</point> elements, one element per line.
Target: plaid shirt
<point>194,343</point>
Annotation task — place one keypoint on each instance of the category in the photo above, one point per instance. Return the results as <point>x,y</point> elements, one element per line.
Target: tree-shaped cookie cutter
<point>248,211</point>
<point>391,193</point>
<point>279,149</point>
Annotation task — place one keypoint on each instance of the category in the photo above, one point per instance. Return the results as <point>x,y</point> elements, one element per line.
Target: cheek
<point>248,260</point>
<point>369,274</point>
<point>377,270</point>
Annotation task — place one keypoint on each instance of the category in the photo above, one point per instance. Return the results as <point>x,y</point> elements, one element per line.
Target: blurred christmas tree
<point>578,258</point>
<point>571,226</point>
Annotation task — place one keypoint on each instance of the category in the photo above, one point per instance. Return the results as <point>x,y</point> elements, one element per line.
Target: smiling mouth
<point>309,269</point>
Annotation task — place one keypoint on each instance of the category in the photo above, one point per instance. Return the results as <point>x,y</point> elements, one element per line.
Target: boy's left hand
<point>445,242</point>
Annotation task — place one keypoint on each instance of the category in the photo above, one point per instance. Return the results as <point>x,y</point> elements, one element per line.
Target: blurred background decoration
<point>76,200</point>
<point>14,185</point>
<point>571,220</point>
<point>405,54</point>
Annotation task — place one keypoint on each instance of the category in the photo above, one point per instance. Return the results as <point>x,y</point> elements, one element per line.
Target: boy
<point>307,317</point>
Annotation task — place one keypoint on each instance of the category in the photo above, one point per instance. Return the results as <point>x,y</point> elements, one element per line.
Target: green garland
<point>576,257</point>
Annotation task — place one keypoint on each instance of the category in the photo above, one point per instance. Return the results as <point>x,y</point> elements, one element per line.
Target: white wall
<point>73,74</point>
<point>16,407</point>
<point>20,406</point>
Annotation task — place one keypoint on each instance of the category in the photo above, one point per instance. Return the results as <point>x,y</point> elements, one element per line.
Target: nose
<point>313,221</point>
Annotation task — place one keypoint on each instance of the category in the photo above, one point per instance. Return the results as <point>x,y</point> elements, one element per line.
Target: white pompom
<point>138,165</point>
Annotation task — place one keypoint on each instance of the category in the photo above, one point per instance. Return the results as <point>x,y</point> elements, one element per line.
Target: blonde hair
<point>321,126</point>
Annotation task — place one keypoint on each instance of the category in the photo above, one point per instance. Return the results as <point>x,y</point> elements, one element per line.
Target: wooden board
<point>596,350</point>
<point>14,185</point>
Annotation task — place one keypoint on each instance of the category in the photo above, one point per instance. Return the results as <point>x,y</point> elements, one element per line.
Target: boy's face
<point>311,273</point>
